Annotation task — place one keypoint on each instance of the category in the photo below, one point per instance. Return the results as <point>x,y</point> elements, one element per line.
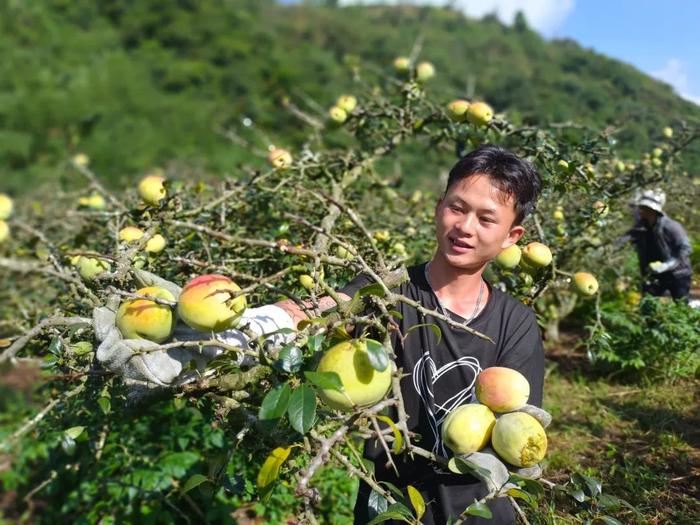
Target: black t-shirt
<point>440,376</point>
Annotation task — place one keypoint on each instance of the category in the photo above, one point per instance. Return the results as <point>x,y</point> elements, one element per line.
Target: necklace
<point>442,306</point>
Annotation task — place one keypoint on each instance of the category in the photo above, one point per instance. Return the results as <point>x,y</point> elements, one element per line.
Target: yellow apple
<point>600,208</point>
<point>307,281</point>
<point>510,257</point>
<point>479,113</point>
<point>363,385</point>
<point>130,234</point>
<point>668,132</point>
<point>467,428</point>
<point>146,319</point>
<point>152,190</point>
<point>585,283</point>
<point>280,158</point>
<point>4,231</point>
<point>94,201</point>
<point>656,162</point>
<point>156,244</point>
<point>424,71</point>
<point>91,267</point>
<point>562,165</point>
<point>382,235</point>
<point>337,115</point>
<point>81,159</point>
<point>343,253</point>
<point>657,152</point>
<point>457,110</point>
<point>558,214</point>
<point>401,64</point>
<point>620,166</point>
<point>347,103</point>
<point>537,255</point>
<point>207,304</point>
<point>6,206</point>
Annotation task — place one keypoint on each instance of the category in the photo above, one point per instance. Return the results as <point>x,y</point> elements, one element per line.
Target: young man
<point>662,246</point>
<point>489,193</point>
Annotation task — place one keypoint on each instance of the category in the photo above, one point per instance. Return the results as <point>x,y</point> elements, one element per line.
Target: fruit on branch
<point>519,439</point>
<point>479,113</point>
<point>6,206</point>
<point>91,267</point>
<point>130,234</point>
<point>467,428</point>
<point>585,283</point>
<point>401,64</point>
<point>152,189</point>
<point>208,303</point>
<point>94,201</point>
<point>562,166</point>
<point>600,208</point>
<point>347,103</point>
<point>502,389</point>
<point>537,255</point>
<point>657,152</point>
<point>656,162</point>
<point>620,166</point>
<point>363,385</point>
<point>307,281</point>
<point>668,132</point>
<point>343,253</point>
<point>424,71</point>
<point>457,110</point>
<point>337,115</point>
<point>558,214</point>
<point>381,235</point>
<point>509,257</point>
<point>147,319</point>
<point>156,244</point>
<point>4,231</point>
<point>279,158</point>
<point>399,249</point>
<point>81,159</point>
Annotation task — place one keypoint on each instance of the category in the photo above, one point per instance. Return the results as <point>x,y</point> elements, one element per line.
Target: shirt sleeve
<point>523,351</point>
<point>680,243</point>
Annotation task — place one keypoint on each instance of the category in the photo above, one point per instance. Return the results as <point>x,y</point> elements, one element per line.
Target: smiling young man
<point>489,193</point>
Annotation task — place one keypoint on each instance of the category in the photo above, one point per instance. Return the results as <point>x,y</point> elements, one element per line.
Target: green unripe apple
<point>510,257</point>
<point>668,132</point>
<point>156,244</point>
<point>425,71</point>
<point>337,115</point>
<point>401,64</point>
<point>347,103</point>
<point>90,267</point>
<point>457,110</point>
<point>563,166</point>
<point>537,255</point>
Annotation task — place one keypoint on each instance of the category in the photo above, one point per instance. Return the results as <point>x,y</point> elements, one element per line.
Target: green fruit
<point>519,439</point>
<point>479,113</point>
<point>585,284</point>
<point>347,103</point>
<point>307,281</point>
<point>337,115</point>
<point>89,267</point>
<point>510,257</point>
<point>457,110</point>
<point>467,428</point>
<point>425,71</point>
<point>537,255</point>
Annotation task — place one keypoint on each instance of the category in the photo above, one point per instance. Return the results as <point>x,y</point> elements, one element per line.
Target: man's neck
<point>454,286</point>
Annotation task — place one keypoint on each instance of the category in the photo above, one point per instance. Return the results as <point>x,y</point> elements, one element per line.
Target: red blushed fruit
<point>207,304</point>
<point>502,389</point>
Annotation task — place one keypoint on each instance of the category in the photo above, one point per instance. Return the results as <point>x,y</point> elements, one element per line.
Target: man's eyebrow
<point>461,201</point>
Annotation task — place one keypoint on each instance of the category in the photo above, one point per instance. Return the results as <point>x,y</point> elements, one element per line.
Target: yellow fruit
<point>399,249</point>
<point>401,64</point>
<point>510,257</point>
<point>280,158</point>
<point>307,281</point>
<point>558,214</point>
<point>668,132</point>
<point>600,208</point>
<point>657,152</point>
<point>457,110</point>
<point>156,244</point>
<point>467,428</point>
<point>562,165</point>
<point>337,115</point>
<point>206,303</point>
<point>6,206</point>
<point>152,190</point>
<point>585,284</point>
<point>424,71</point>
<point>502,389</point>
<point>4,231</point>
<point>130,234</point>
<point>90,267</point>
<point>633,297</point>
<point>479,113</point>
<point>519,439</point>
<point>620,166</point>
<point>537,255</point>
<point>347,103</point>
<point>343,253</point>
<point>382,235</point>
<point>656,162</point>
<point>81,159</point>
<point>146,319</point>
<point>363,385</point>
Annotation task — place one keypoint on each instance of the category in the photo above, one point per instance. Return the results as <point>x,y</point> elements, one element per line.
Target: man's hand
<point>661,267</point>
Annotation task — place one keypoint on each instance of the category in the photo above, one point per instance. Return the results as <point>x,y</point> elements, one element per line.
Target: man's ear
<point>437,206</point>
<point>514,235</point>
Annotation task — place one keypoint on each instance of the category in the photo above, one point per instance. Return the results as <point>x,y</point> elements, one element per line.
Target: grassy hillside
<point>140,83</point>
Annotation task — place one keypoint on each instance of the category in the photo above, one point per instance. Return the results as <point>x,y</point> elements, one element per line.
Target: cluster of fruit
<point>517,437</point>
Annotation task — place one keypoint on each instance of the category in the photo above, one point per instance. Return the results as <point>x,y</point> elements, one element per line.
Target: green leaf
<point>377,355</point>
<point>479,509</point>
<point>435,328</point>
<point>302,409</point>
<point>290,359</point>
<point>270,470</point>
<point>416,500</point>
<point>194,481</point>
<point>325,380</point>
<point>81,348</point>
<point>74,432</point>
<point>315,342</point>
<point>376,504</point>
<point>375,289</point>
<point>460,466</point>
<point>105,404</point>
<point>275,403</point>
<point>397,511</point>
<point>398,438</point>
<point>523,495</point>
<point>56,346</point>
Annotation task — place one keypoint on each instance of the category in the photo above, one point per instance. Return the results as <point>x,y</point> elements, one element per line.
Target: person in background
<point>663,247</point>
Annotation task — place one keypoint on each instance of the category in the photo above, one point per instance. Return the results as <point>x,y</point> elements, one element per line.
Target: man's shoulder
<point>673,226</point>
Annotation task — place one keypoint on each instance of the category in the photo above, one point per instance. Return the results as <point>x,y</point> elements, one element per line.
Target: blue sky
<point>660,38</point>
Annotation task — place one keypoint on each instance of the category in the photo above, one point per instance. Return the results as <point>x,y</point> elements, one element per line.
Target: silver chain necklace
<point>442,306</point>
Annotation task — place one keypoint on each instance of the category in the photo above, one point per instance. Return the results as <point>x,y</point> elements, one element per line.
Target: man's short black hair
<point>513,176</point>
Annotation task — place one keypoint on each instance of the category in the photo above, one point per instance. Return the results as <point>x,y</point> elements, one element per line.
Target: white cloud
<point>546,16</point>
<point>674,73</point>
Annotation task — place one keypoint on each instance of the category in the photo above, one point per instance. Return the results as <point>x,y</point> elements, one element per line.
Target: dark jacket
<point>665,240</point>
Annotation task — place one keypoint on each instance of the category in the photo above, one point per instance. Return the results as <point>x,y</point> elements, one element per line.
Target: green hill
<point>136,84</point>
